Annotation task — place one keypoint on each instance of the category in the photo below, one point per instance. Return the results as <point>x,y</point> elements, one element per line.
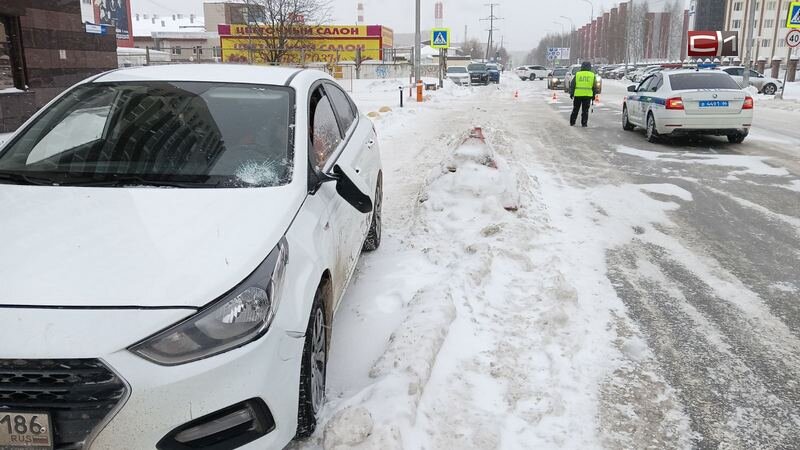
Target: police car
<point>682,102</point>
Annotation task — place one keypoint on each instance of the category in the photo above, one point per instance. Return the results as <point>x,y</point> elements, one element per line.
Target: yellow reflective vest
<point>584,83</point>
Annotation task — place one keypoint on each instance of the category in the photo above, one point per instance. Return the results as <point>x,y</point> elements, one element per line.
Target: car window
<point>559,72</point>
<point>754,74</point>
<point>702,80</point>
<point>477,67</point>
<point>644,86</point>
<point>456,70</point>
<point>737,72</point>
<point>194,133</point>
<point>325,133</point>
<point>342,105</point>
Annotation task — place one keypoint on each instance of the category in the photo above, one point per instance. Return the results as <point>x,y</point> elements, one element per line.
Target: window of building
<point>766,43</point>
<point>176,50</point>
<point>12,63</point>
<point>772,5</point>
<point>769,23</point>
<point>736,23</point>
<point>197,50</point>
<point>737,6</point>
<point>781,43</point>
<point>216,52</point>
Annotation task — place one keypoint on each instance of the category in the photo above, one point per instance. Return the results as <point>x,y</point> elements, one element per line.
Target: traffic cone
<point>555,97</point>
<point>597,99</point>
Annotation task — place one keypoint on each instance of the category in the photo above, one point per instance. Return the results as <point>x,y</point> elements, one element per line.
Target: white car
<point>175,242</point>
<point>765,85</point>
<point>531,73</point>
<point>685,102</point>
<point>458,75</point>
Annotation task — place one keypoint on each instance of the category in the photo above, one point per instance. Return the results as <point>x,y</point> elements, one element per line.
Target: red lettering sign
<point>710,44</point>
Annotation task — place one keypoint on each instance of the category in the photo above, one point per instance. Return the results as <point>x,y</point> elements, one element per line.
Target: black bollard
<point>401,96</point>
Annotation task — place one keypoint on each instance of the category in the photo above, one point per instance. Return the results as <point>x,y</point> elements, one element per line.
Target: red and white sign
<point>713,43</point>
<point>793,38</point>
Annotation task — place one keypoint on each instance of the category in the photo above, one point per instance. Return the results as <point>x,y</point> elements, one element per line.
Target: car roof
<point>225,73</point>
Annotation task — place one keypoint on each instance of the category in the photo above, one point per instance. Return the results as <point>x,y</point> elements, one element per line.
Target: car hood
<point>142,247</point>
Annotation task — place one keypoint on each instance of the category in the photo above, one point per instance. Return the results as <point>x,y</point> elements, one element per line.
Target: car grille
<point>78,393</point>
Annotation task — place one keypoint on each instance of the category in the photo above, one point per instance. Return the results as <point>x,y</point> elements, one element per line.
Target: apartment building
<point>769,27</point>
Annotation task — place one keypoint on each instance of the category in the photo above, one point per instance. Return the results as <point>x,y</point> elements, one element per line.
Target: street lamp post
<point>569,42</point>
<point>592,5</point>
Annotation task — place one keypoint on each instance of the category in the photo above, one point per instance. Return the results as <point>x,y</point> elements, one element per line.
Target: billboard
<point>713,44</point>
<point>308,44</point>
<point>115,13</point>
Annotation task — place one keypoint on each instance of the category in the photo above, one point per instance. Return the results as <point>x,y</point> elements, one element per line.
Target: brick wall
<point>58,53</point>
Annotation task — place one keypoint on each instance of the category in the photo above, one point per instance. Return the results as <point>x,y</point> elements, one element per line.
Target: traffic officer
<point>582,91</point>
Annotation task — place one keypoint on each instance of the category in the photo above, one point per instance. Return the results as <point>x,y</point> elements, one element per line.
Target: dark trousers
<point>577,104</point>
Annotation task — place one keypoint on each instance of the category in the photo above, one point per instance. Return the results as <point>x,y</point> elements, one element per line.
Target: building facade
<point>709,15</point>
<point>44,49</point>
<point>769,32</point>
<point>183,36</point>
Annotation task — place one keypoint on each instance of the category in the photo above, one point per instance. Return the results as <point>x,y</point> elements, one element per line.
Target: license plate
<point>25,431</point>
<point>714,104</point>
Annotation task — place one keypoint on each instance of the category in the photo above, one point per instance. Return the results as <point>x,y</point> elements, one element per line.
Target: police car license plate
<point>714,104</point>
<point>25,431</point>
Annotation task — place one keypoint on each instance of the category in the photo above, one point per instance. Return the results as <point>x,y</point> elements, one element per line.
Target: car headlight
<point>241,316</point>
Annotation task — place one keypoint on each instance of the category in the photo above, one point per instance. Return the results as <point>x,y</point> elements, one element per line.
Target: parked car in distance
<point>575,68</point>
<point>531,73</point>
<point>556,78</point>
<point>458,75</point>
<point>494,73</point>
<point>765,85</point>
<point>685,102</point>
<point>209,220</point>
<point>478,74</point>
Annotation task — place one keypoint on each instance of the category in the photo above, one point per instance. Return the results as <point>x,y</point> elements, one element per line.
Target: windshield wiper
<point>135,180</point>
<point>18,178</point>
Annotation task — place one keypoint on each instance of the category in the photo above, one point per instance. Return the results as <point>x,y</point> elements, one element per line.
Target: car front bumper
<point>160,399</point>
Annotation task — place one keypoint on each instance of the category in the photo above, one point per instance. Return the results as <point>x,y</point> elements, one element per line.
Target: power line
<point>491,29</point>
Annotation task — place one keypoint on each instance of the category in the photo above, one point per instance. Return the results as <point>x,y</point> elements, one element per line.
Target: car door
<point>638,105</point>
<point>358,151</point>
<point>737,74</point>
<point>757,80</point>
<point>325,142</point>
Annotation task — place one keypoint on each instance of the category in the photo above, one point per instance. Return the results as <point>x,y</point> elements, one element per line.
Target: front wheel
<point>626,123</point>
<point>313,370</point>
<point>651,133</point>
<point>770,89</point>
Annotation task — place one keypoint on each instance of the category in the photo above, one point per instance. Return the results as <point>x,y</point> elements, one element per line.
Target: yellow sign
<point>300,51</point>
<point>440,38</point>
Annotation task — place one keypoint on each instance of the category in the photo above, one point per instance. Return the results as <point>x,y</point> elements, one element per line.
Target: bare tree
<point>676,19</point>
<point>277,27</point>
<point>474,48</point>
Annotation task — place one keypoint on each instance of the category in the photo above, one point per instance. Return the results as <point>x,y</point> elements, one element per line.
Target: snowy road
<point>570,288</point>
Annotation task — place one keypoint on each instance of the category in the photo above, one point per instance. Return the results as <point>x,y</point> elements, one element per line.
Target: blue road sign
<point>793,19</point>
<point>440,38</point>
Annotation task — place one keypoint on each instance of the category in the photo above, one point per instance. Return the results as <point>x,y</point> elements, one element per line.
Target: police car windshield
<point>700,80</point>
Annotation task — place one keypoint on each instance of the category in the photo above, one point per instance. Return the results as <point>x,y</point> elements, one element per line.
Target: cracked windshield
<point>399,225</point>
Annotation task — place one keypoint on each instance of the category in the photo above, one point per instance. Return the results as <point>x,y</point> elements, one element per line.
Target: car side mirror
<point>632,88</point>
<point>352,188</point>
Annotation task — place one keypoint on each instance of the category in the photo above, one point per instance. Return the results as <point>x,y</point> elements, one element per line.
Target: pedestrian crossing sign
<point>440,38</point>
<point>793,18</point>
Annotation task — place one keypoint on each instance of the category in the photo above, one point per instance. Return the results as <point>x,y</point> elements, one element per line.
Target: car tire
<point>373,240</point>
<point>650,131</point>
<point>313,370</point>
<point>770,89</point>
<point>736,138</point>
<point>626,123</point>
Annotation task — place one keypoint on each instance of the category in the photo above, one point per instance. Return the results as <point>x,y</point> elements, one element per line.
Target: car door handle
<point>371,143</point>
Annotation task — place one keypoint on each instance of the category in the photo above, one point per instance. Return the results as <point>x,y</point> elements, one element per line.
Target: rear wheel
<point>626,123</point>
<point>736,138</point>
<point>313,370</point>
<point>374,236</point>
<point>770,89</point>
<point>650,132</point>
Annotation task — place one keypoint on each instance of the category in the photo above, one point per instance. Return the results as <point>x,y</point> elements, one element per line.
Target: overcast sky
<point>526,21</point>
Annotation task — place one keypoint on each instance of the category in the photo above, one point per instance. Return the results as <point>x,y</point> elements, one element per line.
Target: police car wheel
<point>650,132</point>
<point>626,123</point>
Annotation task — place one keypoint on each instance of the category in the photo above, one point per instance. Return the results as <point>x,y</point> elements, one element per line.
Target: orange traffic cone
<point>555,97</point>
<point>597,99</point>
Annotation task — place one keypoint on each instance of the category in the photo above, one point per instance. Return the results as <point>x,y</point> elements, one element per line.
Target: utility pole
<point>418,47</point>
<point>748,42</point>
<point>492,29</point>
